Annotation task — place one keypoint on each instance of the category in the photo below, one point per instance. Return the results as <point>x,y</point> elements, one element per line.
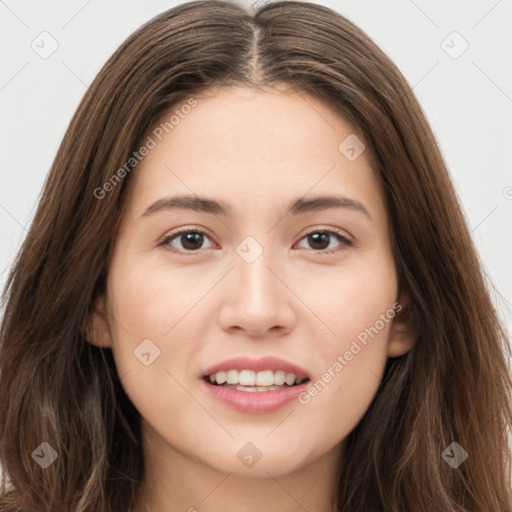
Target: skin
<point>206,305</point>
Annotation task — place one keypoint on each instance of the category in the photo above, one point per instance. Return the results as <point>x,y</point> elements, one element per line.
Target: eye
<point>191,240</point>
<point>320,237</point>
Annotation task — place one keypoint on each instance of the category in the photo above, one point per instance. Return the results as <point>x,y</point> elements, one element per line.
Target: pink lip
<point>256,365</point>
<point>254,402</point>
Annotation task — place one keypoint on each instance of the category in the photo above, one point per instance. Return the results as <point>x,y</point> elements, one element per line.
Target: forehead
<point>254,149</point>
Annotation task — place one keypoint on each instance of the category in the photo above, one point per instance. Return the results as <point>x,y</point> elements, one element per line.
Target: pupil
<point>315,239</point>
<point>189,240</point>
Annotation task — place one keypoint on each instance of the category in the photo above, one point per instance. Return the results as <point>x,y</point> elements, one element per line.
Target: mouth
<point>255,385</point>
<point>250,381</point>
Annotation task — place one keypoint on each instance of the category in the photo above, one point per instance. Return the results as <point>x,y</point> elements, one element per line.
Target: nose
<point>257,299</point>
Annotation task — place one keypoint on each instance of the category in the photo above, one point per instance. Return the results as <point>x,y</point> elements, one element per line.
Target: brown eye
<point>190,240</point>
<point>320,241</point>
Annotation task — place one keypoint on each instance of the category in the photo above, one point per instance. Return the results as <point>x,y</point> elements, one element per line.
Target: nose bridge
<point>257,298</point>
<point>256,282</point>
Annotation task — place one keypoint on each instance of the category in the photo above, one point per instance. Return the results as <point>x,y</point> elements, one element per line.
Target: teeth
<point>264,379</point>
<point>290,379</point>
<point>279,377</point>
<point>246,378</point>
<point>256,388</point>
<point>232,377</point>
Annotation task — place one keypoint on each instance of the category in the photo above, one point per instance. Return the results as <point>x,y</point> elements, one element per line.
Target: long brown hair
<point>56,388</point>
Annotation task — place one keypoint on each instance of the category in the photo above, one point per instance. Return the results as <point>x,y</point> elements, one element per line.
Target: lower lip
<point>254,402</point>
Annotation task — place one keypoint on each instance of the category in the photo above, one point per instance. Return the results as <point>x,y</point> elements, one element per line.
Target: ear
<point>99,329</point>
<point>403,333</point>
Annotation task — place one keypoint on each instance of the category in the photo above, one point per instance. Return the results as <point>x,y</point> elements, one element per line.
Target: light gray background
<point>468,99</point>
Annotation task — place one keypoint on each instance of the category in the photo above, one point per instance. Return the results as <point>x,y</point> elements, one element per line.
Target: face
<point>271,271</point>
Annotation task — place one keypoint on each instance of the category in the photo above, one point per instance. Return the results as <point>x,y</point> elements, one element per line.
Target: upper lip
<point>257,365</point>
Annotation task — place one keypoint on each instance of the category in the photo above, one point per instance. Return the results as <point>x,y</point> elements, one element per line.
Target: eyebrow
<point>220,208</point>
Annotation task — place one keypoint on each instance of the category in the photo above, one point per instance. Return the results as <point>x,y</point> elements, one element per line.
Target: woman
<point>175,339</point>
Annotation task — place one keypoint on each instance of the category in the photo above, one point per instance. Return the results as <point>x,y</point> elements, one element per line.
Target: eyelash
<point>337,234</point>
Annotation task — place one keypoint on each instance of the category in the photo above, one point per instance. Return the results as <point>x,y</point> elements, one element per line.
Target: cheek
<point>152,300</point>
<point>351,350</point>
<point>351,299</point>
<point>148,313</point>
<point>151,340</point>
<point>349,369</point>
